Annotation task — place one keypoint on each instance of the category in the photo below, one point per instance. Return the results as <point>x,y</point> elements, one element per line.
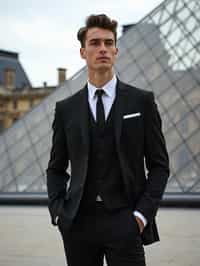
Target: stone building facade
<point>17,95</point>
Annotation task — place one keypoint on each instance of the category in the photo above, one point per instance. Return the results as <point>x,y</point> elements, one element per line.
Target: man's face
<point>100,50</point>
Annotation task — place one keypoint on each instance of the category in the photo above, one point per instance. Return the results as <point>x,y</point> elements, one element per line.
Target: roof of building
<point>10,60</point>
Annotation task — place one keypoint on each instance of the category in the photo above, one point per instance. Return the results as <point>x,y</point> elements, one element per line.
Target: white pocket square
<point>131,115</point>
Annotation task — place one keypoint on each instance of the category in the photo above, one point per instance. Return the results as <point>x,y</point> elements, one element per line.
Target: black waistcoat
<point>104,175</point>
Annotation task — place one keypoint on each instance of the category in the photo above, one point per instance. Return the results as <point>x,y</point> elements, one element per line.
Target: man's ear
<point>116,51</point>
<point>82,53</point>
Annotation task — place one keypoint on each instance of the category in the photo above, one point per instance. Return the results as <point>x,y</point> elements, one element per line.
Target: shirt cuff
<point>141,216</point>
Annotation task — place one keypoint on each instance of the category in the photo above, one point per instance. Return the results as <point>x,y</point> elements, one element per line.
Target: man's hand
<point>140,224</point>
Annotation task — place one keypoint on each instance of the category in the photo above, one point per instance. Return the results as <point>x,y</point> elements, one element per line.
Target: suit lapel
<point>119,109</point>
<point>84,123</point>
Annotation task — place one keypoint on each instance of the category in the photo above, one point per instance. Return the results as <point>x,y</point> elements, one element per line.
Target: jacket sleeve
<point>57,175</point>
<point>156,160</point>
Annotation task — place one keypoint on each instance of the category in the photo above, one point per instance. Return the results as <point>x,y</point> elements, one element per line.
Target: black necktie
<point>100,115</point>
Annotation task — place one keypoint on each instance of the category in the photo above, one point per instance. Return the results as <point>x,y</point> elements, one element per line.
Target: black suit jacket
<point>137,137</point>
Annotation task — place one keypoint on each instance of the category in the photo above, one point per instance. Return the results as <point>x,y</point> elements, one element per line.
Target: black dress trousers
<point>99,233</point>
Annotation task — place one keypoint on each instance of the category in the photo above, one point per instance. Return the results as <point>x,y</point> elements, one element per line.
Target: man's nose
<point>103,47</point>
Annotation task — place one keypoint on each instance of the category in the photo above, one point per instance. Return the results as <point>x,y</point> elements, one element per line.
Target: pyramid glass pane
<point>160,53</point>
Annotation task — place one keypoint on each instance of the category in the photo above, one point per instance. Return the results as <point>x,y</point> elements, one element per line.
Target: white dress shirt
<point>107,98</point>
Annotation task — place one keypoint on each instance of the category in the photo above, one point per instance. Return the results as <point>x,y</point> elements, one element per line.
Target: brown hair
<point>99,21</point>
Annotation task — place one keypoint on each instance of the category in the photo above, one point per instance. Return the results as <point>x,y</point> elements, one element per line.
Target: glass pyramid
<point>160,53</point>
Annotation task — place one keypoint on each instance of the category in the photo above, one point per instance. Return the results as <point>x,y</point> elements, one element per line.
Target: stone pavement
<point>28,239</point>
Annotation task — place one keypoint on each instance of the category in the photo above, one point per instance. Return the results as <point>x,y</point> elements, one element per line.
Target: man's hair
<point>99,21</point>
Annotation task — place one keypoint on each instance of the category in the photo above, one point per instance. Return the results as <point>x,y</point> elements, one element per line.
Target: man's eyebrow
<point>99,39</point>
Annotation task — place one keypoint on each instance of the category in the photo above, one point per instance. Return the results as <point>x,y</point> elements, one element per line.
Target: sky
<point>43,32</point>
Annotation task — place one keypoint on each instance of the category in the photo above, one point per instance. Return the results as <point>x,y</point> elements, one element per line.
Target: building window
<point>31,103</point>
<point>1,126</point>
<point>14,104</point>
<point>10,78</point>
<point>15,119</point>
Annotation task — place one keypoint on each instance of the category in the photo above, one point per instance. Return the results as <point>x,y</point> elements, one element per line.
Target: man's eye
<point>109,43</point>
<point>94,43</point>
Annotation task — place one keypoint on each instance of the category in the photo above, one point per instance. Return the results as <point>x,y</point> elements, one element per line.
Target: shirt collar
<point>109,88</point>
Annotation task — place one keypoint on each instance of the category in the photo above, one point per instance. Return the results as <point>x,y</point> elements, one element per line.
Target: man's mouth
<point>103,58</point>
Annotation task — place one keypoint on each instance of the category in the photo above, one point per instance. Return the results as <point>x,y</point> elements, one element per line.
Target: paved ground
<point>28,239</point>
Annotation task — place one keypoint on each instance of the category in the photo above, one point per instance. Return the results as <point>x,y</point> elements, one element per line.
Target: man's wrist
<point>141,217</point>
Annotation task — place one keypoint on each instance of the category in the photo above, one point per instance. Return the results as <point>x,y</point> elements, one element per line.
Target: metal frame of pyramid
<point>160,53</point>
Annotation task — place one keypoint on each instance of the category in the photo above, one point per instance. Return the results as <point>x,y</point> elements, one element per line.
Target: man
<point>110,132</point>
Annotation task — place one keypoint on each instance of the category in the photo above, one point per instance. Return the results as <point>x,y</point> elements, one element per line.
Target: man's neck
<point>100,79</point>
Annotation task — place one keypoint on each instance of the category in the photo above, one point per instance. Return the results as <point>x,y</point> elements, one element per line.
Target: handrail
<point>169,199</point>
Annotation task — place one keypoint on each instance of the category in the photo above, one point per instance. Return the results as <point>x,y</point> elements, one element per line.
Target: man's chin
<point>104,67</point>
